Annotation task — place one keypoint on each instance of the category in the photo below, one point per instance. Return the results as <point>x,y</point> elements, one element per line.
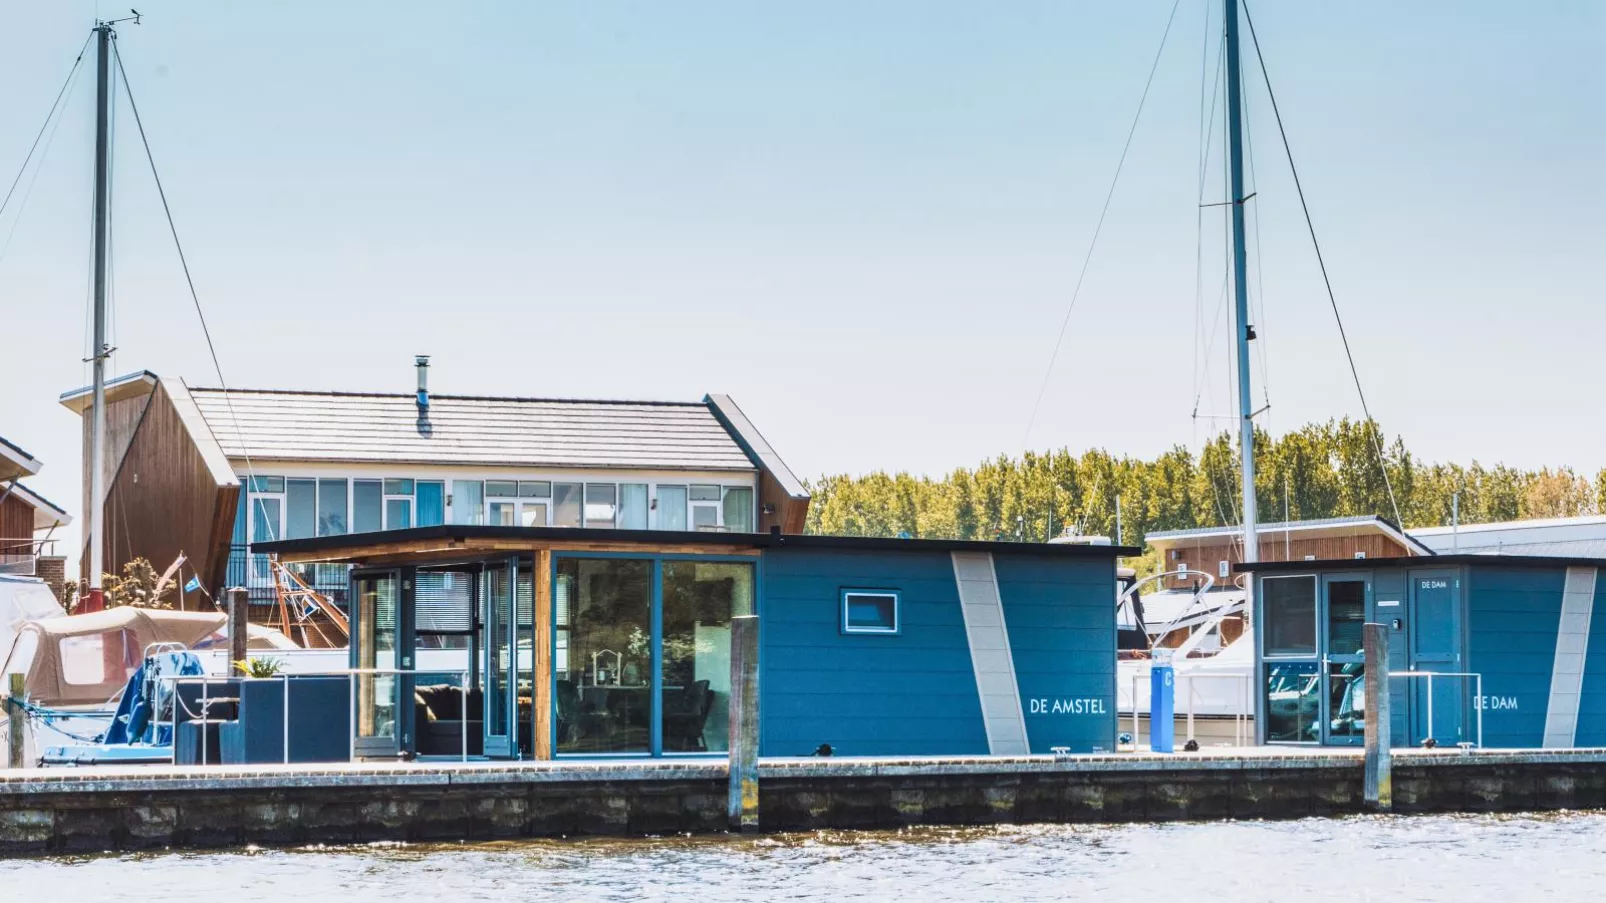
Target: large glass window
<point>1293,702</point>
<point>603,695</point>
<point>699,599</point>
<point>367,506</point>
<point>633,506</point>
<point>566,504</point>
<point>739,509</point>
<point>1289,604</point>
<point>301,509</point>
<point>431,504</point>
<point>468,502</point>
<point>602,504</point>
<point>671,507</point>
<point>331,507</point>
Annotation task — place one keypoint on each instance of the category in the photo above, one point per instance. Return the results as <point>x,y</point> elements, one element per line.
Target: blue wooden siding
<point>1061,620</point>
<point>1592,703</point>
<point>1513,616</point>
<point>913,693</point>
<point>1391,586</point>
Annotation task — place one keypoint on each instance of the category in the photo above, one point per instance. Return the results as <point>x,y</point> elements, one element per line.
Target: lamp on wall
<point>768,508</point>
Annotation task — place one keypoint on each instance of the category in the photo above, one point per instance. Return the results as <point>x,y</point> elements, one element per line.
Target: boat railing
<point>1477,691</point>
<point>1240,716</point>
<point>352,676</point>
<point>19,556</point>
<point>1125,601</point>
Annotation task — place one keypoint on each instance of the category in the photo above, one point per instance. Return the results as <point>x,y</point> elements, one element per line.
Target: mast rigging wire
<point>1332,300</point>
<point>50,139</point>
<point>195,297</point>
<point>1076,292</point>
<point>48,116</point>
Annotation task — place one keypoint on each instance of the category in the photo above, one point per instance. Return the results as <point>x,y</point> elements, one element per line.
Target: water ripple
<point>1464,858</point>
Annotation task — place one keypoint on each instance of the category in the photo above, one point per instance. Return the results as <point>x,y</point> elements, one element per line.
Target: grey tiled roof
<point>340,426</point>
<point>1270,527</point>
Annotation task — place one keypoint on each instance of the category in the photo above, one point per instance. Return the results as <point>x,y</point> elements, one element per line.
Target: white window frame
<point>385,498</point>
<point>897,611</point>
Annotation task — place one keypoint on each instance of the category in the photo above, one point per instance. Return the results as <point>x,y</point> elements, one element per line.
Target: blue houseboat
<point>542,642</point>
<point>1489,650</point>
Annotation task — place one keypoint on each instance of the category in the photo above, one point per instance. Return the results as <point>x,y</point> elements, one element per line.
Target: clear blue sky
<point>864,221</point>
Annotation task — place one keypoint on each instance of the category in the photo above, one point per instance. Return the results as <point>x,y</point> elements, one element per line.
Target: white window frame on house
<point>507,497</point>
<point>533,503</point>
<point>256,565</point>
<point>897,612</point>
<point>387,496</point>
<point>716,503</point>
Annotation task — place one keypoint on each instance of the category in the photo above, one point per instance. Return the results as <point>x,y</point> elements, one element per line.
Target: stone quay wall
<point>103,810</point>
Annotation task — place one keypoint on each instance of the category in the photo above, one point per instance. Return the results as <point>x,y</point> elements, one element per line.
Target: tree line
<point>1332,469</point>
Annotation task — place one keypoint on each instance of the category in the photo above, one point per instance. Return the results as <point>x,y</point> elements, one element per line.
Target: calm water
<point>1510,859</point>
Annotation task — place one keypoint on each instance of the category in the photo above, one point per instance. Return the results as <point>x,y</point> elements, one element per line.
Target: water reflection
<point>1502,858</point>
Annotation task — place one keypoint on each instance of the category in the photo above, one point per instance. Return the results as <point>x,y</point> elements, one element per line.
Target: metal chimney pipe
<point>422,361</point>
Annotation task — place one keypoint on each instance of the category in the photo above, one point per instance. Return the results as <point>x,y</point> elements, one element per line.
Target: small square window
<point>705,493</point>
<point>267,484</point>
<point>535,489</point>
<point>398,487</point>
<point>501,488</point>
<point>869,611</point>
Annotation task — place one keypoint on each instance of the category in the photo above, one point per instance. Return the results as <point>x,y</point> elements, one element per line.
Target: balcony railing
<point>19,556</point>
<point>254,573</point>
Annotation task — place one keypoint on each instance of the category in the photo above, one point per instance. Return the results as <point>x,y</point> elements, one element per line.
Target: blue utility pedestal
<point>1162,703</point>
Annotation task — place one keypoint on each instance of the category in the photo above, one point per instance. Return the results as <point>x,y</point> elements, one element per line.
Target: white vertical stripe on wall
<point>990,656</point>
<point>1572,643</point>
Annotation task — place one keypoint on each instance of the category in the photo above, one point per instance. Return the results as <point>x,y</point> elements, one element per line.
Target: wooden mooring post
<point>743,804</point>
<point>1379,763</point>
<point>239,607</point>
<point>17,722</point>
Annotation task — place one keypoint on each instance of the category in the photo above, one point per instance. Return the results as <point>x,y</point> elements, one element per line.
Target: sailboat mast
<point>99,351</point>
<point>1240,281</point>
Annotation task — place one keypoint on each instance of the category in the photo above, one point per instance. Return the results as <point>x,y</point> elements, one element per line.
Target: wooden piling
<point>1379,764</point>
<point>16,733</point>
<point>743,805</point>
<point>541,710</point>
<point>239,608</point>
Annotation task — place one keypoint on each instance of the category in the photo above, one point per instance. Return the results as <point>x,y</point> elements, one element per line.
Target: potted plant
<point>259,668</point>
